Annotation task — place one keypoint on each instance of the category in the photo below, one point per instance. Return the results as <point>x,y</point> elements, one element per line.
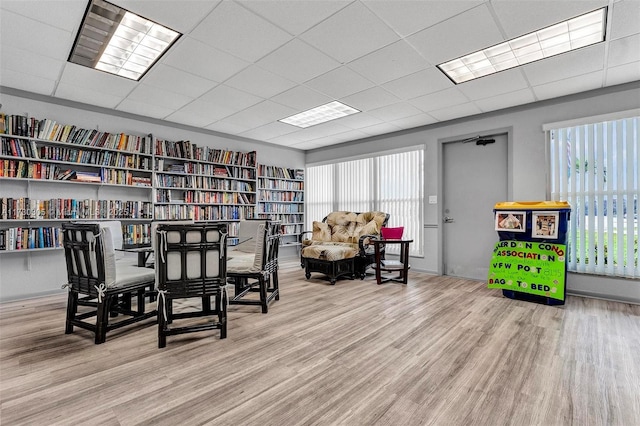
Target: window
<point>392,183</point>
<point>595,168</point>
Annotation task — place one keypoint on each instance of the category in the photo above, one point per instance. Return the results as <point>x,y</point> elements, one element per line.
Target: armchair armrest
<point>301,236</point>
<point>361,242</point>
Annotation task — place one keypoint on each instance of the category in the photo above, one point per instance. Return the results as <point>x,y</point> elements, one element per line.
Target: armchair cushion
<point>321,231</point>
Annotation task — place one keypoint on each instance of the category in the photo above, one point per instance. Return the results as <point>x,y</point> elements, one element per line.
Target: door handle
<point>447,219</point>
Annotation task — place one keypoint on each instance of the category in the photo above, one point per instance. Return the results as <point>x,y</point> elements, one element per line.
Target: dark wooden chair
<point>98,280</point>
<point>191,263</point>
<point>253,264</point>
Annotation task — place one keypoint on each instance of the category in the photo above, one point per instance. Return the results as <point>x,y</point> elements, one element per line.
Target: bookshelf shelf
<point>281,197</point>
<point>203,183</point>
<point>111,177</point>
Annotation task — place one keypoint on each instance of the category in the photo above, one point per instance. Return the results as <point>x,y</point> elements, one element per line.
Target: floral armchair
<point>339,245</point>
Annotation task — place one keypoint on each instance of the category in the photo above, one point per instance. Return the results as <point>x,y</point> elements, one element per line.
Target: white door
<point>475,178</point>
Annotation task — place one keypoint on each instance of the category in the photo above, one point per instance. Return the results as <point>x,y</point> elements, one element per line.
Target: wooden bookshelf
<point>281,197</point>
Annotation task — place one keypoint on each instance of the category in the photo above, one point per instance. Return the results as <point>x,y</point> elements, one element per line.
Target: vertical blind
<point>595,168</point>
<point>391,183</point>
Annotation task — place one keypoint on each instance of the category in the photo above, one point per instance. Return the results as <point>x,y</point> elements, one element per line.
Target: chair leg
<point>162,321</point>
<point>264,283</point>
<point>141,306</point>
<point>206,304</point>
<point>72,310</point>
<point>221,307</point>
<point>102,318</point>
<point>276,285</point>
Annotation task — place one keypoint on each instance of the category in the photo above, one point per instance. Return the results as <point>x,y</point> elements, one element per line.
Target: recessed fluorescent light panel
<point>581,31</point>
<point>321,114</point>
<point>116,41</point>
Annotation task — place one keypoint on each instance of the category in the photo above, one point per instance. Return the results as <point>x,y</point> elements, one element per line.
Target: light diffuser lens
<point>322,114</point>
<point>572,34</point>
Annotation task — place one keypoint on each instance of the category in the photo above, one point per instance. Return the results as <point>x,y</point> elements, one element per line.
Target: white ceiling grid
<point>243,64</point>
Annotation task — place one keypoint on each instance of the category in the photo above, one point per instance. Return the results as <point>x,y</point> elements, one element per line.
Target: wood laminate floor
<point>439,351</point>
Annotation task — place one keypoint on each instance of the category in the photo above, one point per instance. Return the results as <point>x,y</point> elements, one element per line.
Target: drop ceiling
<point>243,65</point>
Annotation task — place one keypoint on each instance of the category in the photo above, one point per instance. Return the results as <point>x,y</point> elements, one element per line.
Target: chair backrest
<point>191,258</point>
<point>271,247</point>
<point>89,255</point>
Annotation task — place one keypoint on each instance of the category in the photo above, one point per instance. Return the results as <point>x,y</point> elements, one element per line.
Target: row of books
<point>49,171</point>
<point>190,151</point>
<point>281,208</point>
<point>19,238</point>
<point>70,208</point>
<point>280,172</point>
<point>290,229</point>
<point>168,196</point>
<point>202,183</point>
<point>138,234</point>
<point>266,195</point>
<point>296,219</point>
<point>203,213</point>
<point>285,185</point>
<point>50,130</point>
<point>28,149</point>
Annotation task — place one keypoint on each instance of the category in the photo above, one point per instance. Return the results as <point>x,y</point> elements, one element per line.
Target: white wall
<point>527,164</point>
<point>24,275</point>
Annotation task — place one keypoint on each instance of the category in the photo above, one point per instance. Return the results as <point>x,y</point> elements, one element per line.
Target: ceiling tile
<point>569,86</point>
<point>62,14</point>
<point>421,83</point>
<point>380,129</point>
<point>191,115</point>
<point>301,98</point>
<point>229,128</point>
<point>295,16</point>
<point>48,41</point>
<point>147,109</point>
<point>206,111</point>
<point>258,115</point>
<point>181,16</point>
<point>495,84</point>
<point>269,131</point>
<point>230,99</point>
<point>30,63</point>
<point>623,73</point>
<point>340,82</point>
<point>472,30</point>
<point>259,82</point>
<point>395,111</point>
<point>351,135</point>
<point>30,83</point>
<point>197,58</point>
<point>289,139</point>
<point>522,17</point>
<point>298,61</point>
<point>152,95</point>
<point>456,111</point>
<point>321,130</point>
<point>360,120</point>
<point>626,17</point>
<point>86,95</point>
<point>369,99</point>
<point>408,16</point>
<point>577,62</point>
<point>414,121</point>
<point>97,81</point>
<point>441,99</point>
<point>351,33</point>
<point>506,100</point>
<point>177,81</point>
<point>389,63</point>
<point>235,30</point>
<point>624,50</point>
